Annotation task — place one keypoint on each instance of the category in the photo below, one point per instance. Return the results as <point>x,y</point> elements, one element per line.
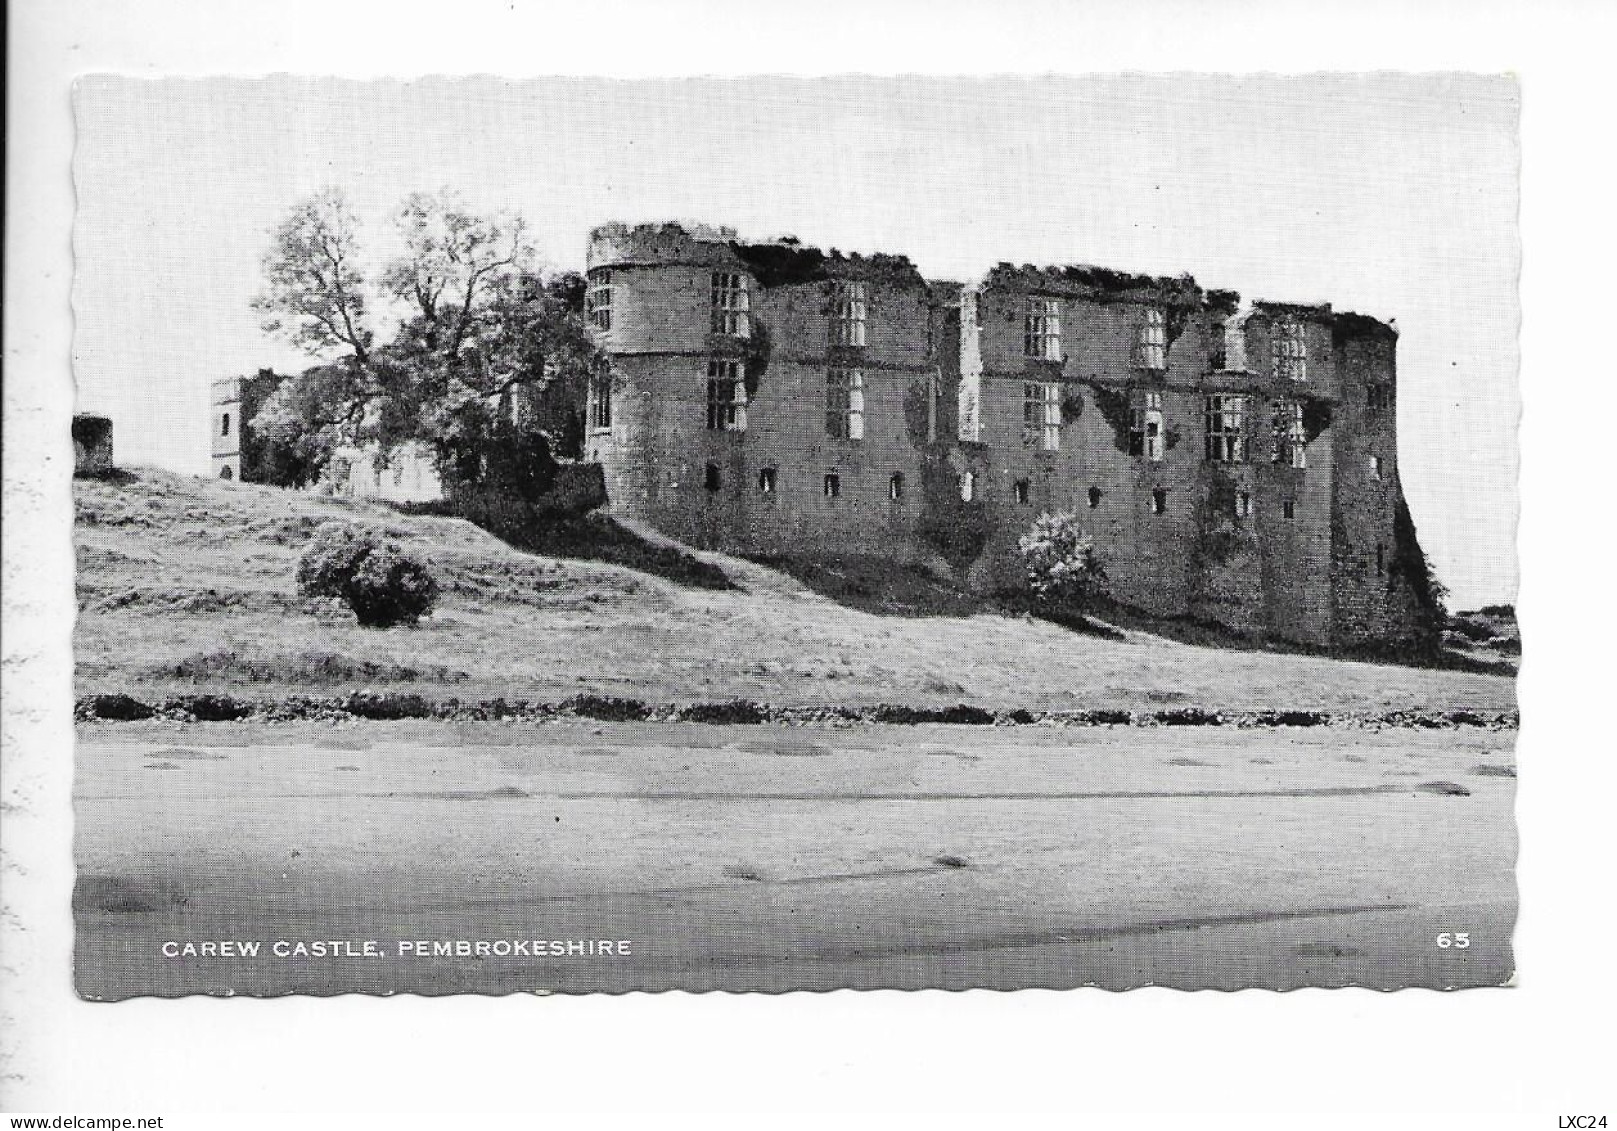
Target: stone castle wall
<point>1258,545</point>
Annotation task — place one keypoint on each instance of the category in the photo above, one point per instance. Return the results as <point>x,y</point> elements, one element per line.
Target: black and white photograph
<point>770,534</point>
<point>862,558</point>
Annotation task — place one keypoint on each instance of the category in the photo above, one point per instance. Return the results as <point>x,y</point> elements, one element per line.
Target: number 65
<point>1459,940</point>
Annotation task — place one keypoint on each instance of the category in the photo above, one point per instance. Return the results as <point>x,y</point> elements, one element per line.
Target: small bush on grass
<point>382,584</point>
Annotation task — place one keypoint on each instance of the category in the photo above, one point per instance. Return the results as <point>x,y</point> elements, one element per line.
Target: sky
<point>1392,195</point>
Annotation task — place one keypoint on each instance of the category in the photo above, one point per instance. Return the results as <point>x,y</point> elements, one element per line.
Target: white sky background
<point>1391,195</point>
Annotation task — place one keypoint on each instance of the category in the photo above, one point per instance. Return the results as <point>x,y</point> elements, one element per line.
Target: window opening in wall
<point>1159,501</point>
<point>726,396</point>
<point>1217,353</point>
<point>968,486</point>
<point>1041,415</point>
<point>1151,350</point>
<point>730,304</point>
<point>766,480</point>
<point>1226,429</point>
<point>1041,336</point>
<point>711,478</point>
<point>1290,350</point>
<point>833,485</point>
<point>224,425</point>
<point>1094,497</point>
<point>895,486</point>
<point>1381,559</point>
<point>226,473</point>
<point>845,404</point>
<point>1378,397</point>
<point>598,299</point>
<point>1145,428</point>
<point>1243,504</point>
<point>1290,436</point>
<point>1288,509</point>
<point>600,404</point>
<point>1375,467</point>
<point>1022,491</point>
<point>848,314</point>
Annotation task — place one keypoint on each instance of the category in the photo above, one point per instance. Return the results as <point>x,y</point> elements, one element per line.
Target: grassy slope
<point>187,585</point>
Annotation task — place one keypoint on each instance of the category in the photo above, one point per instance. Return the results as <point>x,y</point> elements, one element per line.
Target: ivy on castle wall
<point>1116,408</point>
<point>957,529</point>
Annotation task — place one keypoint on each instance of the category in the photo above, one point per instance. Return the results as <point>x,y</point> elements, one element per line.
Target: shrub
<point>739,711</point>
<point>608,708</point>
<point>211,708</point>
<point>382,584</point>
<point>387,705</point>
<point>120,708</point>
<point>1058,559</point>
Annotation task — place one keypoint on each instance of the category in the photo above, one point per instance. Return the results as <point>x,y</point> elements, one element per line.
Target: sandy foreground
<point>774,858</point>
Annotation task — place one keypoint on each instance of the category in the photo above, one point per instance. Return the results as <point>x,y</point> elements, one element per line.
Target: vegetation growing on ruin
<point>1116,408</point>
<point>1220,538</point>
<point>788,264</point>
<point>957,529</point>
<point>1316,418</point>
<point>1347,324</point>
<point>1411,567</point>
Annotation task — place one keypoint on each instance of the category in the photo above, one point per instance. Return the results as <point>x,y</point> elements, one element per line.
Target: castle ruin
<point>1233,465</point>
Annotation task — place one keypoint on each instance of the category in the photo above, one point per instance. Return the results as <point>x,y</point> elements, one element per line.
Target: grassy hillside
<point>186,585</point>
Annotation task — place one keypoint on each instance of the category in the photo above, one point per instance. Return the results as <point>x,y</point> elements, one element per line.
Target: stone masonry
<point>1234,465</point>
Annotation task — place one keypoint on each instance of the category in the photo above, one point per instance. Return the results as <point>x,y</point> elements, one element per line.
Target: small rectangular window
<point>895,486</point>
<point>1151,349</point>
<point>1094,497</point>
<point>1159,501</point>
<point>833,485</point>
<point>598,299</point>
<point>1226,429</point>
<point>726,396</point>
<point>224,425</point>
<point>766,481</point>
<point>1375,467</point>
<point>1378,397</point>
<point>968,486</point>
<point>600,404</point>
<point>1243,504</point>
<point>1288,509</point>
<point>1290,350</point>
<point>730,304</point>
<point>845,404</point>
<point>1041,415</point>
<point>1041,337</point>
<point>848,314</point>
<point>1022,491</point>
<point>1381,558</point>
<point>711,479</point>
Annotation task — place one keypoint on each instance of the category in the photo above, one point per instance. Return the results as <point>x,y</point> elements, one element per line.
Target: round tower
<point>671,306</point>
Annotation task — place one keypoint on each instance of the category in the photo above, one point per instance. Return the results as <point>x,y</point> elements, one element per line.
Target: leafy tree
<point>488,366</point>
